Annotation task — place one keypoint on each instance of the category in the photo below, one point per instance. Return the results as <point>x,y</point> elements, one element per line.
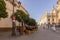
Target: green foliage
<point>32,22</point>
<point>20,15</point>
<point>18,18</point>
<point>3,13</point>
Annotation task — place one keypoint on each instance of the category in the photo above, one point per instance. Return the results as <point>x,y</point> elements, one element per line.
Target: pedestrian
<point>18,29</point>
<point>53,27</point>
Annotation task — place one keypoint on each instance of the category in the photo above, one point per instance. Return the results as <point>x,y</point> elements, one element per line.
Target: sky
<point>36,8</point>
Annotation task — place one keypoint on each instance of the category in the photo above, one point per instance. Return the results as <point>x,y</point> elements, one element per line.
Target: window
<point>59,21</point>
<point>48,22</point>
<point>48,19</point>
<point>52,19</point>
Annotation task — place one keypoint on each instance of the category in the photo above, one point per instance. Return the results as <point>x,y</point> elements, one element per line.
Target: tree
<point>32,22</point>
<point>21,15</point>
<point>3,13</point>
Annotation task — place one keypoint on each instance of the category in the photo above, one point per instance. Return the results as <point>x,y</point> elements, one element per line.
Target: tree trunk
<point>19,23</point>
<point>0,19</point>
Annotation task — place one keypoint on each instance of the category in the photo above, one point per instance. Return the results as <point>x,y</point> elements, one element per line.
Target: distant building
<point>52,17</point>
<point>43,19</point>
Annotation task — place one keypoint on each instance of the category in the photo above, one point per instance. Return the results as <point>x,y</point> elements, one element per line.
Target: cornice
<point>24,9</point>
<point>18,4</point>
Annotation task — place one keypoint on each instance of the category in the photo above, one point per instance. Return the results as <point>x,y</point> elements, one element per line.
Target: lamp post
<point>13,22</point>
<point>22,26</point>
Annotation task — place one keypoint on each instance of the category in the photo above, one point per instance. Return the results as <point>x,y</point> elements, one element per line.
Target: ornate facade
<point>53,17</point>
<point>43,19</point>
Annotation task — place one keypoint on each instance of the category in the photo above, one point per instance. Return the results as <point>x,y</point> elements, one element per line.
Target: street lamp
<point>13,22</point>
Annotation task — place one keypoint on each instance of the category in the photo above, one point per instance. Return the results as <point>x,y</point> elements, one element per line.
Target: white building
<point>43,19</point>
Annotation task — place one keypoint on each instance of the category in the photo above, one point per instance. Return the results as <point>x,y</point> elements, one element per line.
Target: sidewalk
<point>8,36</point>
<point>5,34</point>
<point>58,30</point>
<point>41,34</point>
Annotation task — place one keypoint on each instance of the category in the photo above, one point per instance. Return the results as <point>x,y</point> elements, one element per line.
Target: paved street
<point>41,34</point>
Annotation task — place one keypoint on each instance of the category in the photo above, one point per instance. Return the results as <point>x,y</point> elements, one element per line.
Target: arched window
<point>52,19</point>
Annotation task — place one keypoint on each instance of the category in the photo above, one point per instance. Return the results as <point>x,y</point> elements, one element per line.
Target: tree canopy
<point>3,13</point>
<point>32,22</point>
<point>20,15</point>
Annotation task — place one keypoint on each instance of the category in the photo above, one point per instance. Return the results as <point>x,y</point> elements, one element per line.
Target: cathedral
<point>52,17</point>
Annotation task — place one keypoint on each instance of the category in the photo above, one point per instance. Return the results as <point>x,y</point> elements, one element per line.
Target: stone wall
<point>7,22</point>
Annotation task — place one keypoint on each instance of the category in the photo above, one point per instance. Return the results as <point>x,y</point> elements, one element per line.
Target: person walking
<point>53,27</point>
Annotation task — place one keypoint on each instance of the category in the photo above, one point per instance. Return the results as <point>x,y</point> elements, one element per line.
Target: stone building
<point>7,22</point>
<point>53,16</point>
<point>43,19</point>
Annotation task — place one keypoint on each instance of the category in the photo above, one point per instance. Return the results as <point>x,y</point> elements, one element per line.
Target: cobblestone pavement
<point>41,34</point>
